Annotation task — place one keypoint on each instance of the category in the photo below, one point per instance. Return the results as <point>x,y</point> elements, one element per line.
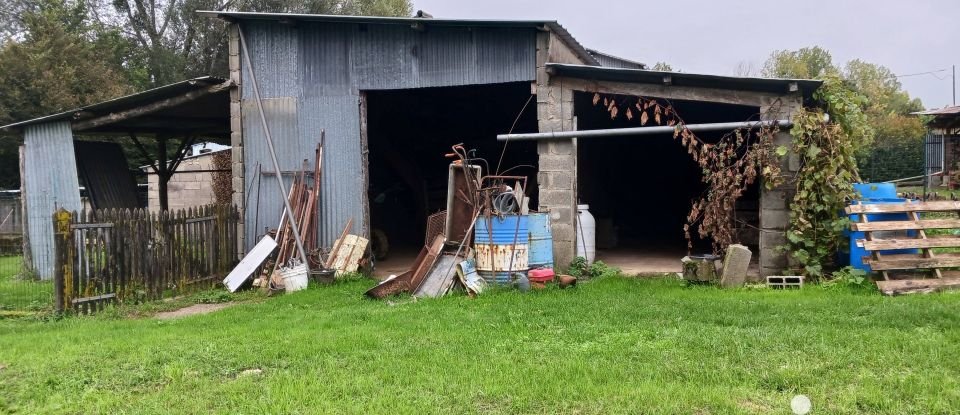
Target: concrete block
<point>785,281</point>
<point>560,147</point>
<point>563,232</point>
<point>561,215</point>
<point>774,199</point>
<point>735,265</point>
<point>560,180</point>
<point>777,219</point>
<point>556,198</point>
<point>551,163</point>
<point>235,124</point>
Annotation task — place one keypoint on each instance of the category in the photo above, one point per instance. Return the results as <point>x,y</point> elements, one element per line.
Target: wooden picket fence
<point>122,255</point>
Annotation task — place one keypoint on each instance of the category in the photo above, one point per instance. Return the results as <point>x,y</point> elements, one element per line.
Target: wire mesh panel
<point>21,290</point>
<point>435,226</point>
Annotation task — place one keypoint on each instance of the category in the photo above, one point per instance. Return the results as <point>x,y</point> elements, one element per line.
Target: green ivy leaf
<point>781,151</point>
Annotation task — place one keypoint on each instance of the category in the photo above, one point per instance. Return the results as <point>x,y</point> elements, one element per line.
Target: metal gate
<point>933,146</point>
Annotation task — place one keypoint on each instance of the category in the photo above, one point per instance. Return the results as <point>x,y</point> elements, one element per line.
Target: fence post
<point>63,271</point>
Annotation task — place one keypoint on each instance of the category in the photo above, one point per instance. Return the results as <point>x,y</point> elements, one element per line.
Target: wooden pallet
<point>925,259</point>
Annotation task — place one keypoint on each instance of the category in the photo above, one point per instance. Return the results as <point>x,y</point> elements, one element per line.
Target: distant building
<point>192,183</point>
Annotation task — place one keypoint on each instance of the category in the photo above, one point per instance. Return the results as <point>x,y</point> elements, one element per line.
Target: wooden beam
<point>893,244</point>
<point>937,206</point>
<point>897,287</point>
<point>906,225</point>
<point>149,108</point>
<point>722,96</point>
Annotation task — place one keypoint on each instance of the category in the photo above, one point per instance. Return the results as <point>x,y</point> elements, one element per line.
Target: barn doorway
<point>408,134</point>
<point>640,188</point>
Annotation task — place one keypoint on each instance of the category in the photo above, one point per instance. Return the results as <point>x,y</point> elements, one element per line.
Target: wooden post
<point>63,271</point>
<point>163,171</point>
<point>26,258</point>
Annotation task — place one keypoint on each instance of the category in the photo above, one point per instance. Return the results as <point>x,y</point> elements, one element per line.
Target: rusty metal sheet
<point>106,175</point>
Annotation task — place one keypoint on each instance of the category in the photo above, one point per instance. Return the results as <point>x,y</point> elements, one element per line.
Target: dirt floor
<point>191,310</point>
<point>652,261</point>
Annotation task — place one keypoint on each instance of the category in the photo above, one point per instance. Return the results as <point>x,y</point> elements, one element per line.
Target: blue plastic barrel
<point>501,246</point>
<point>870,191</point>
<point>541,241</point>
<point>857,253</point>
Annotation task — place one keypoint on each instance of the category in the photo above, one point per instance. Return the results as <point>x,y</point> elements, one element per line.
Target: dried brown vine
<point>729,166</point>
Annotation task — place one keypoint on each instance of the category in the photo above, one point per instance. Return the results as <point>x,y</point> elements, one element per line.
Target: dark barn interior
<point>409,132</point>
<point>640,188</point>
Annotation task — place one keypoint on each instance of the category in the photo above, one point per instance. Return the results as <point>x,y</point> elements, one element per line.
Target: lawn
<point>612,345</point>
<point>20,294</point>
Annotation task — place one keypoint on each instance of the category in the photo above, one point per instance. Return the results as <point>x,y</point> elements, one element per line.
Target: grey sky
<point>707,36</point>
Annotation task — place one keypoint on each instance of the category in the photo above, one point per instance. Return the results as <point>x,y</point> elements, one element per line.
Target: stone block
<point>735,265</point>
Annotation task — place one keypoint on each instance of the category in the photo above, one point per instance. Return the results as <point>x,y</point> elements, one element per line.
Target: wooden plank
<point>933,206</point>
<point>901,262</point>
<point>905,225</point>
<point>891,244</point>
<point>898,287</point>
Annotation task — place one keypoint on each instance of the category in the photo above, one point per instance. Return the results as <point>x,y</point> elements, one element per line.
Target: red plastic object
<point>541,275</point>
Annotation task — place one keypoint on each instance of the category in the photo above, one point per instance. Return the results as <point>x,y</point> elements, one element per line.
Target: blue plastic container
<point>857,253</point>
<point>541,241</point>
<point>501,247</point>
<point>870,191</point>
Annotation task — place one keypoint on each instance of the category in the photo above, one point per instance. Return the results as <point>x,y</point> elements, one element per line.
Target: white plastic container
<point>586,234</point>
<point>294,278</point>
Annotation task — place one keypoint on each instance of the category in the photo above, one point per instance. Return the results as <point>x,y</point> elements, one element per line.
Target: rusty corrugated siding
<point>322,67</point>
<point>51,174</point>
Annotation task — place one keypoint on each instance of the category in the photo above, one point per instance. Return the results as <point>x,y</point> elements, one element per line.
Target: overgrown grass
<point>19,293</point>
<point>611,345</point>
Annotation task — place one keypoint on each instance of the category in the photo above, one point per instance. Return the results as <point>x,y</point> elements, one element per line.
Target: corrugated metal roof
<point>551,25</point>
<point>612,61</point>
<point>954,110</point>
<point>773,85</point>
<point>93,110</point>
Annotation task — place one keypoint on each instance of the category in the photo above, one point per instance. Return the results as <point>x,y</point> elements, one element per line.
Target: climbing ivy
<point>825,140</point>
<point>729,165</point>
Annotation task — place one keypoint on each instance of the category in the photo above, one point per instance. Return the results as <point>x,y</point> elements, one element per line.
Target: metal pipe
<point>615,132</point>
<point>273,154</point>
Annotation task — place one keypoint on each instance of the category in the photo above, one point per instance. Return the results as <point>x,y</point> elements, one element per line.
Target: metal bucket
<point>541,241</point>
<point>501,247</point>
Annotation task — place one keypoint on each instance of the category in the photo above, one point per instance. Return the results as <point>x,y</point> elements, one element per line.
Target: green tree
<point>57,65</point>
<point>806,63</point>
<point>173,42</point>
<point>663,66</point>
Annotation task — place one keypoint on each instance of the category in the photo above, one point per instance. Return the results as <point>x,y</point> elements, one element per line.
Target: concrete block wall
<point>236,131</point>
<point>557,158</point>
<point>775,203</point>
<point>184,189</point>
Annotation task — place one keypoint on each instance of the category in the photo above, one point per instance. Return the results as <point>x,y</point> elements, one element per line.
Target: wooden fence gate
<point>123,255</point>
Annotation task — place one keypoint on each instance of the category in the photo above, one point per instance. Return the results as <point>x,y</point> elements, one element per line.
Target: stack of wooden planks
<point>910,234</point>
<point>304,199</point>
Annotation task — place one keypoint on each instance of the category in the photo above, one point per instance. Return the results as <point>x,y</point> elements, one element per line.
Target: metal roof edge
<point>652,76</point>
<point>69,114</point>
<point>631,61</point>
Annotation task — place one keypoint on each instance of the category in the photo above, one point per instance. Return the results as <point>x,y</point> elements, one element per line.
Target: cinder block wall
<point>184,189</point>
<point>775,203</point>
<point>558,158</point>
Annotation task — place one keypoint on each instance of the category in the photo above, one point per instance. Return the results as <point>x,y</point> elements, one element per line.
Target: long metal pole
<point>273,153</point>
<point>614,132</point>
